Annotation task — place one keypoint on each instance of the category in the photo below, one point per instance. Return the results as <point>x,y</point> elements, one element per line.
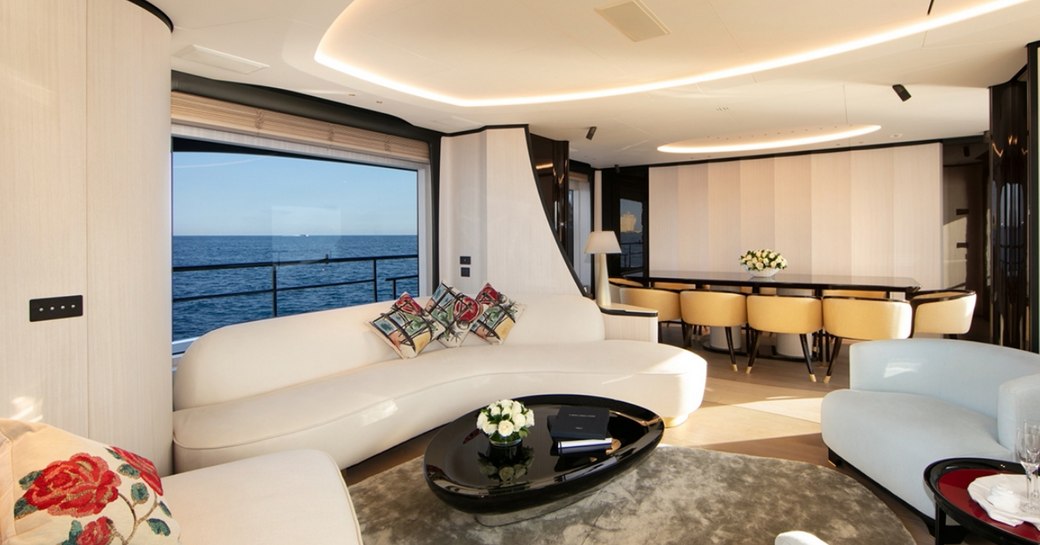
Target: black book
<point>579,423</point>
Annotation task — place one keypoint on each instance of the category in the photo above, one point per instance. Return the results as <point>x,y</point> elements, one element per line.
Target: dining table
<point>786,283</point>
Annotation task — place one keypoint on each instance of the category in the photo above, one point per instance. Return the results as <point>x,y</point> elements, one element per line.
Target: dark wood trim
<point>1033,192</point>
<point>611,311</point>
<point>158,13</point>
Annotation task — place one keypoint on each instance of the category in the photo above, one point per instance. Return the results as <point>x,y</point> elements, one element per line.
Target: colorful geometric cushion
<point>59,488</point>
<point>455,311</point>
<point>406,327</point>
<point>499,316</point>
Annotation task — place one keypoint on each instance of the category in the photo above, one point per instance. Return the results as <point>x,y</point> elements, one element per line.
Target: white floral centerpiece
<point>505,421</point>
<point>763,262</point>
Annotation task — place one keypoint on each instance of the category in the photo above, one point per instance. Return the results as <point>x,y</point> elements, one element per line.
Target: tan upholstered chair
<point>946,312</point>
<point>800,315</point>
<point>714,309</point>
<point>865,320</point>
<point>617,282</point>
<point>665,302</point>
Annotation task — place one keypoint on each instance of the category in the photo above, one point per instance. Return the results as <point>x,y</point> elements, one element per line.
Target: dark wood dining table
<point>786,280</point>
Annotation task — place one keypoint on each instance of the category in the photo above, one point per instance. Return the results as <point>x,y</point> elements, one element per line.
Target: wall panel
<point>868,212</point>
<point>664,200</point>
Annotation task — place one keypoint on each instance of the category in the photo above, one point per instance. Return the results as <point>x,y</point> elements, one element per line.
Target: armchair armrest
<point>1019,400</point>
<point>629,322</point>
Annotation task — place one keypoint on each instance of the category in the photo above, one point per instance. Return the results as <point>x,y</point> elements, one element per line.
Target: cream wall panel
<point>43,367</point>
<point>128,229</point>
<point>490,210</point>
<point>463,204</point>
<point>724,216</point>
<point>870,209</point>
<point>757,205</point>
<point>917,224</point>
<point>793,219</point>
<point>694,218</point>
<point>831,224</point>
<point>523,256</point>
<point>664,204</point>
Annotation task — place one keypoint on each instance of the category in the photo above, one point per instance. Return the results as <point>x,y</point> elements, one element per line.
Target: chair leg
<point>834,356</point>
<point>806,353</point>
<point>688,334</point>
<point>729,344</point>
<point>756,336</point>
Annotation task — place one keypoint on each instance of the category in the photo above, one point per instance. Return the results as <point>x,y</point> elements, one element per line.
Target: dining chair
<point>709,308</point>
<point>800,315</point>
<point>665,302</point>
<point>864,319</point>
<point>945,312</point>
<point>616,282</point>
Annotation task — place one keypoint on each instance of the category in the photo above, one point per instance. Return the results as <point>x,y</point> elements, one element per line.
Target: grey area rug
<point>676,496</point>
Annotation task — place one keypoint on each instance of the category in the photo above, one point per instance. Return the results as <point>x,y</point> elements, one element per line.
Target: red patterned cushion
<point>499,316</point>
<point>59,488</point>
<point>455,311</point>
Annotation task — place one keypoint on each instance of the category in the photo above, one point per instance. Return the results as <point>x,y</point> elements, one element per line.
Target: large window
<point>260,234</point>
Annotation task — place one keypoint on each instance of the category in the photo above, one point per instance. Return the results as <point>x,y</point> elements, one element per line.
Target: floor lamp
<point>600,244</point>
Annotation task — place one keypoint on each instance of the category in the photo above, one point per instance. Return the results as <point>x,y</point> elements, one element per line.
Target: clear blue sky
<point>235,194</point>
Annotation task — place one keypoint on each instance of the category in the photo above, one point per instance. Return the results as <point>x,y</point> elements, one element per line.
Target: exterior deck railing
<point>275,289</point>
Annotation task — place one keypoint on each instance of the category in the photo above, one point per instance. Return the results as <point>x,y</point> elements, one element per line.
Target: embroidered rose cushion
<point>453,310</point>
<point>499,316</point>
<point>406,327</point>
<point>61,489</point>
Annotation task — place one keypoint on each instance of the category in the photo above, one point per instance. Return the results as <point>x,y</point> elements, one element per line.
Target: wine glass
<point>1027,450</point>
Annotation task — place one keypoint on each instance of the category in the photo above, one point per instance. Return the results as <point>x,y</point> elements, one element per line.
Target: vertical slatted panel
<point>870,209</point>
<point>664,202</point>
<point>831,223</point>
<point>917,217</point>
<point>794,213</point>
<point>724,215</point>
<point>757,205</point>
<point>694,219</point>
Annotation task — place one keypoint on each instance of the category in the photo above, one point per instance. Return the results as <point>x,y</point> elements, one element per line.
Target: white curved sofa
<point>324,380</point>
<point>915,401</point>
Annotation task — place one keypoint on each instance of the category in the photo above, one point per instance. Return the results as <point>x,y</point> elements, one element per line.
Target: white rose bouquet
<point>757,260</point>
<point>505,421</point>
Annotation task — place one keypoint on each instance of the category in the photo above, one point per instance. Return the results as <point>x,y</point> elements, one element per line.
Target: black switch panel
<point>52,308</point>
<point>464,260</point>
<point>465,271</point>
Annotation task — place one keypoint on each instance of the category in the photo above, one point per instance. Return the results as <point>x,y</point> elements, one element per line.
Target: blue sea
<point>193,318</point>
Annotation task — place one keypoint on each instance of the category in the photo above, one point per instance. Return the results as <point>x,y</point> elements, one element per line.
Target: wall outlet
<point>52,308</point>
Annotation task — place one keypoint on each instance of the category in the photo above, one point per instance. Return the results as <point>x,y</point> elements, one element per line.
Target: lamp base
<point>602,281</point>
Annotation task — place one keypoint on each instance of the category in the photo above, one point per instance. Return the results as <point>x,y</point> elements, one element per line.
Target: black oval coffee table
<point>504,487</point>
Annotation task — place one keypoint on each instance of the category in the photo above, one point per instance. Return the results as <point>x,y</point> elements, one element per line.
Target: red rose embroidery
<point>80,486</point>
<point>98,532</point>
<point>144,466</point>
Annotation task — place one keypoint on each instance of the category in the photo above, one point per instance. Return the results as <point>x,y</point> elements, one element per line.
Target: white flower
<point>505,428</point>
<point>495,409</point>
<point>482,420</point>
<point>529,417</point>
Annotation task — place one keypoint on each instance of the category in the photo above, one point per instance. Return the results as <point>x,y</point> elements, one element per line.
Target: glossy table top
<point>465,472</point>
<point>948,481</point>
<point>784,279</point>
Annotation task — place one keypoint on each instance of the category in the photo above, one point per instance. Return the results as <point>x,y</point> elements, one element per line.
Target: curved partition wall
<point>491,212</point>
<point>85,210</point>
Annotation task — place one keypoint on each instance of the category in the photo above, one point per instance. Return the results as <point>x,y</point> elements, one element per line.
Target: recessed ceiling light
<point>756,142</point>
<point>330,58</point>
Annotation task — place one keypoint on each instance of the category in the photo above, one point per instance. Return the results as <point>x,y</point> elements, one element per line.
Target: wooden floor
<point>774,411</point>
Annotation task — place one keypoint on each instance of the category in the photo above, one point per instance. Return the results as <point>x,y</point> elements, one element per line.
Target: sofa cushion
<point>455,311</point>
<point>499,316</point>
<point>406,327</point>
<point>289,497</point>
<point>57,487</point>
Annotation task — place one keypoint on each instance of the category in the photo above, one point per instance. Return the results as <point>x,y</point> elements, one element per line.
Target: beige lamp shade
<point>602,242</point>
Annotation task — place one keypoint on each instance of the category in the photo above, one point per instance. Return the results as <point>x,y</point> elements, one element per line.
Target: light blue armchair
<point>914,401</point>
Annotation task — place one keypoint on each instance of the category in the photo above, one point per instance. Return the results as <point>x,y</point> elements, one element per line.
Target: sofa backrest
<point>964,373</point>
<point>256,357</point>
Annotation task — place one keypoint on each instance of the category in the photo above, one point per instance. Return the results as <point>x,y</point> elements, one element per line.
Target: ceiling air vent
<point>633,19</point>
<point>219,59</point>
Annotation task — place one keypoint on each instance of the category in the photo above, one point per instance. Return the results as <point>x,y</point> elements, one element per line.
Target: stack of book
<point>580,429</point>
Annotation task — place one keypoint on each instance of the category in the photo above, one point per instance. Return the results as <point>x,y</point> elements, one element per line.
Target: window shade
<point>216,114</point>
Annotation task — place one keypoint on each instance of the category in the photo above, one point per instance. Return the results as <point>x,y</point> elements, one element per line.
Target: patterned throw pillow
<point>59,488</point>
<point>406,327</point>
<point>499,316</point>
<point>455,311</point>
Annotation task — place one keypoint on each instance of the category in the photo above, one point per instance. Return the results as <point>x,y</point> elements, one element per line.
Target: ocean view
<point>193,318</point>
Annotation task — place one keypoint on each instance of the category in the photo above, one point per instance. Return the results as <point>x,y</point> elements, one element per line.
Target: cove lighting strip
<point>770,144</point>
<point>329,59</point>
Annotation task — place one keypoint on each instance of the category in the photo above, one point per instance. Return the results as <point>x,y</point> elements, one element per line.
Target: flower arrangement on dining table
<point>505,421</point>
<point>760,260</point>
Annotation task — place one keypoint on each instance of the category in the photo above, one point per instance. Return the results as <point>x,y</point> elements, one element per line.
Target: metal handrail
<point>275,289</point>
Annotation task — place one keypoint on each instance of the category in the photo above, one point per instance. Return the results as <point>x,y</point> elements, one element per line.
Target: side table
<point>948,482</point>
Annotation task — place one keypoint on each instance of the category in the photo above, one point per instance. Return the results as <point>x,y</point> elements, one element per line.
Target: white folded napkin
<point>1000,495</point>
